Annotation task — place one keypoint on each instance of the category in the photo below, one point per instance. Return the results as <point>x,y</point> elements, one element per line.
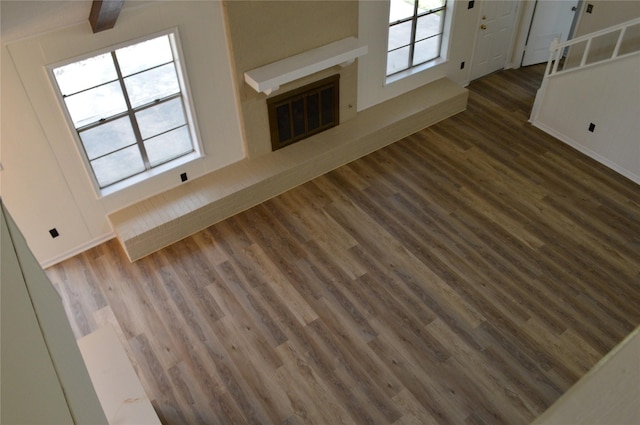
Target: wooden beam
<point>104,14</point>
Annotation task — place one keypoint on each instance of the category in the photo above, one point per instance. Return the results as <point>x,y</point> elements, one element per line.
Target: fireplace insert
<point>305,111</point>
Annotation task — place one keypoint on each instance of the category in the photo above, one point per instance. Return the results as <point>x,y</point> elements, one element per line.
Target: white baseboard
<point>592,154</point>
<point>77,250</point>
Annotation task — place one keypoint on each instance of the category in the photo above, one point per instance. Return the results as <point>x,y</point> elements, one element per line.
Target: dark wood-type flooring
<point>468,274</point>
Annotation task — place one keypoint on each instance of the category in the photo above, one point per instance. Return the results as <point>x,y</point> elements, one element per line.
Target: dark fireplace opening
<point>305,111</point>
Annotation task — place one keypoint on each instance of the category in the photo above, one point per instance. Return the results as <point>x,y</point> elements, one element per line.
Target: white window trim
<point>190,114</point>
<point>441,60</point>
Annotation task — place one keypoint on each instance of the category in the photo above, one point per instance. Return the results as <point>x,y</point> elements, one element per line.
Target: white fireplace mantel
<point>269,78</point>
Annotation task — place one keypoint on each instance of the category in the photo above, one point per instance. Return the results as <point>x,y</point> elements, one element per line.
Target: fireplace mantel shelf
<point>270,77</point>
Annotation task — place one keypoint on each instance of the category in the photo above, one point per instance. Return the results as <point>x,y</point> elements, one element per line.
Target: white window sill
<point>414,70</point>
<point>132,181</point>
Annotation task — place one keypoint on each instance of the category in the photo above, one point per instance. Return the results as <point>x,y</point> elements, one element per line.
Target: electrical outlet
<point>592,127</point>
<point>471,4</point>
<point>589,8</point>
<point>183,177</point>
<point>462,65</point>
<point>54,233</point>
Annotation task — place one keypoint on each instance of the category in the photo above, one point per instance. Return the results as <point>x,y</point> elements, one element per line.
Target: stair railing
<point>557,51</point>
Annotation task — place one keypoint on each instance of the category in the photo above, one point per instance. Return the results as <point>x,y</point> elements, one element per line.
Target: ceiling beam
<point>104,14</point>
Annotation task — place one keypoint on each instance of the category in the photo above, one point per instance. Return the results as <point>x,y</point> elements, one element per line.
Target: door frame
<point>526,19</point>
<point>515,33</point>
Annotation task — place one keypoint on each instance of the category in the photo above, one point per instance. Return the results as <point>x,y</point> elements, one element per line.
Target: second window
<point>415,33</point>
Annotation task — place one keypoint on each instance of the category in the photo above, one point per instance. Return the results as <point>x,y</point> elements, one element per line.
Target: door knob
<point>483,27</point>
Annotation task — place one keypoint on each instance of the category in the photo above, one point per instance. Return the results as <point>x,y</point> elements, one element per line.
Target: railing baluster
<point>556,53</point>
<point>616,50</point>
<point>552,50</point>
<point>556,48</point>
<point>586,53</point>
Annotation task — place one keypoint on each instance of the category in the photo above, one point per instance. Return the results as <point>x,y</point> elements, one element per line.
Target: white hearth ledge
<point>269,78</point>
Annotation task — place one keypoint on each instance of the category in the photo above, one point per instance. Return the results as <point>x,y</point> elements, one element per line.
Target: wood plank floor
<point>468,274</point>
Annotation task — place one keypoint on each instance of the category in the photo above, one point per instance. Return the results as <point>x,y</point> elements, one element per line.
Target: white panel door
<point>551,19</point>
<point>493,38</point>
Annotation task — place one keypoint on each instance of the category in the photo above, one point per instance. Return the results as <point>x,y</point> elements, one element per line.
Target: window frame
<point>412,42</point>
<point>184,93</point>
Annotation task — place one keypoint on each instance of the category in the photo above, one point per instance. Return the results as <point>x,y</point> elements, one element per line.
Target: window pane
<point>85,74</point>
<point>154,84</point>
<point>426,5</point>
<point>118,166</point>
<point>400,9</point>
<point>397,60</point>
<point>427,50</point>
<point>92,105</point>
<point>145,55</point>
<point>399,35</point>
<point>428,26</point>
<point>107,137</point>
<point>168,146</point>
<point>158,119</point>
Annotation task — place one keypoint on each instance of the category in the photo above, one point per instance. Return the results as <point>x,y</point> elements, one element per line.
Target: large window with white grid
<point>129,107</point>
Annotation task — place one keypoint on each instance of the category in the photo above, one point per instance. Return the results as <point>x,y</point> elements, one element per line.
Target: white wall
<point>33,184</point>
<point>605,13</point>
<point>44,181</point>
<point>606,95</point>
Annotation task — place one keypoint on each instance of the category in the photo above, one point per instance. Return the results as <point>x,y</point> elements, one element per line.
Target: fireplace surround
<point>303,112</point>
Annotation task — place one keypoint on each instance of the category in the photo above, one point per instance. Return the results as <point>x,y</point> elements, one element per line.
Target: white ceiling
<point>25,18</point>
